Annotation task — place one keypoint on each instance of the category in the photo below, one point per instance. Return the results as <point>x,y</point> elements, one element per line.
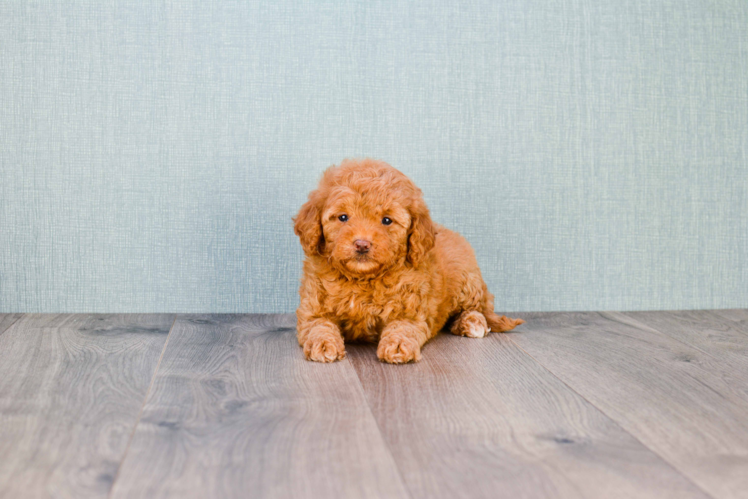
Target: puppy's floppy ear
<point>308,224</point>
<point>422,232</point>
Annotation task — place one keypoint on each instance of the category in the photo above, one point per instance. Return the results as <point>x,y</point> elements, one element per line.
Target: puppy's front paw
<point>324,346</point>
<point>398,348</point>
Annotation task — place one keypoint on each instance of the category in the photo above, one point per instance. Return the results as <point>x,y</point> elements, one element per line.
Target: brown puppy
<point>378,269</point>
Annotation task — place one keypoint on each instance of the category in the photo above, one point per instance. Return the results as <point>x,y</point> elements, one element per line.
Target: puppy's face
<point>365,217</point>
<point>364,233</point>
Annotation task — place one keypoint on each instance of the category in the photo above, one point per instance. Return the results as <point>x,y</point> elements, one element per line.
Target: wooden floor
<point>646,404</point>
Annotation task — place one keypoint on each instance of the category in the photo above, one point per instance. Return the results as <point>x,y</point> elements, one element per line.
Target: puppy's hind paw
<point>324,348</point>
<point>470,324</point>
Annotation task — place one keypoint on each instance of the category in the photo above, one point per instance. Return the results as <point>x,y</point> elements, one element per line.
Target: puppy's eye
<point>386,221</point>
<point>343,218</point>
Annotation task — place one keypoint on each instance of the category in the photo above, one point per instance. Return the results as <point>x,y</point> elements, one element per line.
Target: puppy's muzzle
<point>362,246</point>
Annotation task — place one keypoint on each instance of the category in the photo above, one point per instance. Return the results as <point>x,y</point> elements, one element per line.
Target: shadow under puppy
<point>378,269</point>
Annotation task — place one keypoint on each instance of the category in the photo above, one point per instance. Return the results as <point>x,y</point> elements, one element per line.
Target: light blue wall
<point>152,154</point>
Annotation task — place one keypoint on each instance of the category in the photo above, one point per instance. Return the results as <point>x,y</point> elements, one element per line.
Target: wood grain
<point>709,332</point>
<point>71,388</point>
<point>6,320</point>
<point>739,316</point>
<point>236,411</point>
<point>480,418</point>
<point>671,396</point>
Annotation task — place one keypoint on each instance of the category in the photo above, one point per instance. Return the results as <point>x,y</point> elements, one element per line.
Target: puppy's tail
<point>495,322</point>
<point>501,323</point>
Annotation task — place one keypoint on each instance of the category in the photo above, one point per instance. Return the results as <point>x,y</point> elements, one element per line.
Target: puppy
<point>377,269</point>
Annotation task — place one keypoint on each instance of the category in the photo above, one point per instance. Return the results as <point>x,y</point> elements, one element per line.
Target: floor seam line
<point>735,323</point>
<point>618,424</point>
<point>13,323</point>
<point>645,327</point>
<point>379,429</point>
<point>142,408</point>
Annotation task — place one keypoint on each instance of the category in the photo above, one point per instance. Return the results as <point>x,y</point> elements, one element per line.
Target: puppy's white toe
<point>476,331</point>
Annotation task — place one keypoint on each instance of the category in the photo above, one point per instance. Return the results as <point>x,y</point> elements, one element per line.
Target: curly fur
<point>417,277</point>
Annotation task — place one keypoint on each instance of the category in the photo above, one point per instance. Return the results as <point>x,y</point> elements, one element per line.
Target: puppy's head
<point>365,218</point>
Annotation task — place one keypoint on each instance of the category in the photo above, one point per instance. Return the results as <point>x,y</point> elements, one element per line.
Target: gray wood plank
<point>739,316</point>
<point>480,418</point>
<point>6,320</point>
<point>709,332</point>
<point>71,389</point>
<point>671,396</point>
<point>236,411</point>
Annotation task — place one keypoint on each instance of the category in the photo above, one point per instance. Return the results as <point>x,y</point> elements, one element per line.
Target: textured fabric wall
<point>153,153</point>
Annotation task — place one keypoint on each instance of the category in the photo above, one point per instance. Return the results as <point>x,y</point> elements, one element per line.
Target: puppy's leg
<point>470,324</point>
<point>401,341</point>
<point>321,340</point>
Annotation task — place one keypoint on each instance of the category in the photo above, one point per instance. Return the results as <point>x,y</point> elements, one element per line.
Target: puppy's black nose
<point>362,246</point>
